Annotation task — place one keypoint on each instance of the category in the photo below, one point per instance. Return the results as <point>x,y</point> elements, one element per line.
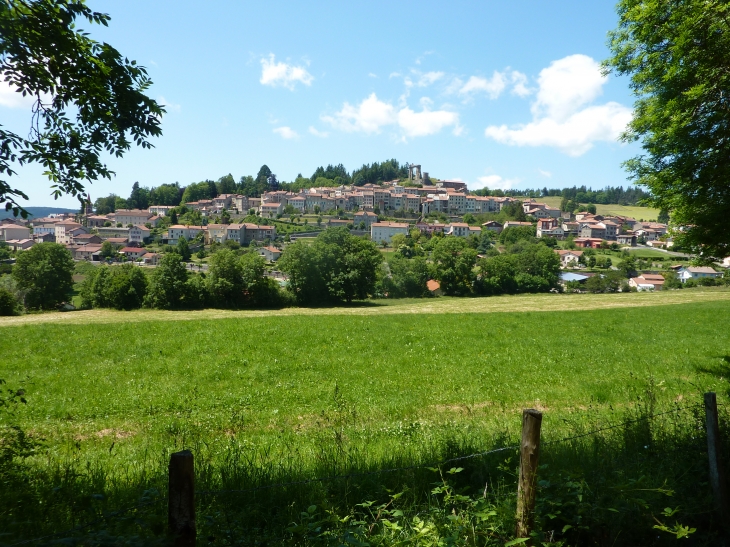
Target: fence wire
<point>85,525</point>
<point>445,462</point>
<point>118,513</point>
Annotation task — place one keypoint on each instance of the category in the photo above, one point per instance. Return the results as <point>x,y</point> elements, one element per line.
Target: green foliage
<point>336,267</point>
<point>139,197</point>
<point>45,271</point>
<point>183,249</point>
<point>43,52</point>
<point>676,55</point>
<point>525,268</point>
<point>235,281</point>
<point>226,185</point>
<point>513,234</point>
<point>166,194</point>
<point>379,172</point>
<point>8,304</point>
<point>103,206</point>
<point>168,288</point>
<point>120,287</point>
<point>199,191</point>
<point>611,281</point>
<point>404,278</point>
<point>107,249</point>
<point>453,263</point>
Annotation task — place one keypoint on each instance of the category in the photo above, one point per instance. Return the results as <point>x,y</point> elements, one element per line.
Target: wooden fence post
<point>526,488</point>
<point>181,499</point>
<point>717,474</point>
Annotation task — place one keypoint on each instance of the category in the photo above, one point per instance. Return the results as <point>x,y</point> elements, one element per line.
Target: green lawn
<point>638,213</point>
<point>112,398</point>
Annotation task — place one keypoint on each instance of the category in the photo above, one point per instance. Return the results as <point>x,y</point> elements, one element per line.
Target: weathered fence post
<point>717,474</point>
<point>181,499</point>
<point>526,488</point>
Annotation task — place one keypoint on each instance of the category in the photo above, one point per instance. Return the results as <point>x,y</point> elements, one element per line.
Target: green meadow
<point>266,398</point>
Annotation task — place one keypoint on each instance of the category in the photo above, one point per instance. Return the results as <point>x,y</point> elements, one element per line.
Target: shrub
<point>8,304</point>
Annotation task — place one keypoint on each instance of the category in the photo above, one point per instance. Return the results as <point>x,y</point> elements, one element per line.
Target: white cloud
<point>10,98</point>
<point>519,86</point>
<point>567,85</point>
<point>372,114</point>
<point>429,78</point>
<point>286,132</point>
<point>561,115</point>
<point>372,75</point>
<point>492,86</point>
<point>317,133</point>
<point>426,122</point>
<point>544,173</point>
<point>282,74</point>
<point>493,182</point>
<point>369,116</point>
<point>169,107</point>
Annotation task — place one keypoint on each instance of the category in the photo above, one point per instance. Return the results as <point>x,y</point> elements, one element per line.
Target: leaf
<point>517,541</point>
<point>566,528</point>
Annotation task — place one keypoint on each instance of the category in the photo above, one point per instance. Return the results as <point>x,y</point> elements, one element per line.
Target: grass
<point>263,396</point>
<point>638,213</point>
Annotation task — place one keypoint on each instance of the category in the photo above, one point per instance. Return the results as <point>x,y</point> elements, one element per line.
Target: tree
<point>183,249</point>
<point>225,280</point>
<point>8,304</point>
<point>591,209</point>
<point>121,287</point>
<point>226,185</point>
<point>45,271</point>
<point>139,198</point>
<point>678,57</point>
<point>454,263</point>
<point>88,98</point>
<point>168,287</point>
<point>405,278</point>
<point>107,249</point>
<point>336,267</point>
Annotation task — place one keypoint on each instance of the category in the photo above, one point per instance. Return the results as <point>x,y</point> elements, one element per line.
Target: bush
<point>45,271</point>
<point>8,304</point>
<point>119,287</point>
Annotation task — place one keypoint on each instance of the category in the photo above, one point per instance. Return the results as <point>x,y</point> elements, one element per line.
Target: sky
<point>497,94</point>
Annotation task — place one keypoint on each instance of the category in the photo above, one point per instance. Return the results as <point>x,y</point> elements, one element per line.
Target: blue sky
<point>502,94</point>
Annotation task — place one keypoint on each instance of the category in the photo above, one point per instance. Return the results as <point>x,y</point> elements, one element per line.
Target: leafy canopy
<point>677,55</point>
<point>45,271</point>
<point>88,98</point>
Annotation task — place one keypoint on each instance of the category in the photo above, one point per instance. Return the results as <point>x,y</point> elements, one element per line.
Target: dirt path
<point>521,303</point>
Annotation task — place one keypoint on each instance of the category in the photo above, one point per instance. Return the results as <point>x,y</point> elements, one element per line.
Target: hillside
<point>634,211</point>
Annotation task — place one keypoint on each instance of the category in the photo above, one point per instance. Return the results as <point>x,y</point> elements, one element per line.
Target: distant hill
<point>38,211</point>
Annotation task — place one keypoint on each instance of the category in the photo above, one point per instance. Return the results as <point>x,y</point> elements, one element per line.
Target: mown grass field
<point>113,393</point>
<point>645,213</point>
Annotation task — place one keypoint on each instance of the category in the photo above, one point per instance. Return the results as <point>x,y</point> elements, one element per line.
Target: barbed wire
<point>85,525</point>
<point>444,462</point>
<point>622,424</point>
<point>361,474</point>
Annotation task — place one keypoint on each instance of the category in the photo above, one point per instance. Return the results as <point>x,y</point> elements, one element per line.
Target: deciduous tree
<point>677,55</point>
<point>88,98</point>
<point>45,271</point>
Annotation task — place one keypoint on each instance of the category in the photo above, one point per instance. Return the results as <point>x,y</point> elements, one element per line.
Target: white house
<point>384,231</point>
<point>271,254</point>
<point>568,257</point>
<point>697,272</point>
